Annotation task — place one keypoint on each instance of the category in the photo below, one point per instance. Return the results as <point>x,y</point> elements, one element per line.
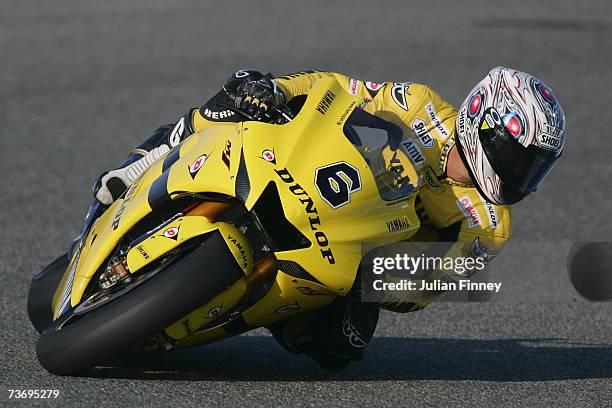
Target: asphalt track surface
<point>83,82</point>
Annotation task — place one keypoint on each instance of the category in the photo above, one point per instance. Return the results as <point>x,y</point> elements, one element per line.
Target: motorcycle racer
<point>474,164</point>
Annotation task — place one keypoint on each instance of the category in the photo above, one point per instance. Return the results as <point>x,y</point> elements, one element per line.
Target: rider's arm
<point>300,83</point>
<point>197,118</point>
<point>170,134</point>
<point>472,243</point>
<point>110,185</point>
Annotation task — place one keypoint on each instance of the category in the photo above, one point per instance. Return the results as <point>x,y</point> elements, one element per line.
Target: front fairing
<point>163,181</point>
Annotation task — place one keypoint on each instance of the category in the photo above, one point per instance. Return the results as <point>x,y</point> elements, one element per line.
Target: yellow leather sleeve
<point>301,82</point>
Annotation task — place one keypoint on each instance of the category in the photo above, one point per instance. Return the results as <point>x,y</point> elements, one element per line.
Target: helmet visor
<point>519,168</point>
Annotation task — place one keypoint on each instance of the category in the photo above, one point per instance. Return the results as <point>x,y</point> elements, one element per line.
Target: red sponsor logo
<point>373,86</point>
<point>469,211</point>
<point>268,155</point>
<point>197,164</point>
<point>171,233</point>
<point>353,85</point>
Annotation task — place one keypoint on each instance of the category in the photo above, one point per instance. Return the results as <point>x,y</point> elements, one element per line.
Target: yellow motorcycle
<point>240,226</point>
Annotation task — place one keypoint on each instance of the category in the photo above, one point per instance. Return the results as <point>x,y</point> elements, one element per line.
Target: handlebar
<point>278,115</point>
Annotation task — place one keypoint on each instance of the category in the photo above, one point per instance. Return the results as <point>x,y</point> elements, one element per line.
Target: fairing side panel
<point>176,171</point>
<point>312,141</point>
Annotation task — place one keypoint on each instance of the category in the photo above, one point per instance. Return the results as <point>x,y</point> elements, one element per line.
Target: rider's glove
<point>256,97</point>
<point>110,185</point>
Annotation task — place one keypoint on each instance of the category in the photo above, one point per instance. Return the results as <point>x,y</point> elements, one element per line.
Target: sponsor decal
<point>227,152</point>
<point>419,127</point>
<point>143,252</point>
<point>269,156</point>
<point>126,200</point>
<point>432,180</point>
<point>177,132</point>
<point>241,250</point>
<point>444,154</point>
<point>478,250</point>
<point>364,103</point>
<point>353,86</point>
<point>398,93</point>
<point>336,182</point>
<point>216,115</point>
<point>197,164</point>
<point>373,86</point>
<point>435,120</point>
<point>311,212</point>
<point>398,224</point>
<point>287,308</point>
<point>550,141</point>
<point>308,291</point>
<point>241,74</point>
<point>413,152</point>
<point>461,121</point>
<point>492,119</point>
<point>491,214</point>
<point>469,211</point>
<point>346,113</point>
<point>325,102</point>
<point>171,233</point>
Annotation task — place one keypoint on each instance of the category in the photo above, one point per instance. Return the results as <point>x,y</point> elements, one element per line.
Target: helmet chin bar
<point>474,182</point>
<point>512,197</point>
<point>506,198</point>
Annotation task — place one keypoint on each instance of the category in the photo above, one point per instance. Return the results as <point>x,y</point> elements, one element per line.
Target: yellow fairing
<point>244,160</point>
<point>169,174</point>
<point>207,313</point>
<point>346,228</point>
<point>182,230</point>
<point>300,148</point>
<point>287,297</point>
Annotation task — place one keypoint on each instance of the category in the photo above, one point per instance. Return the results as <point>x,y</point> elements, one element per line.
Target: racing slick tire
<point>42,289</point>
<point>144,311</point>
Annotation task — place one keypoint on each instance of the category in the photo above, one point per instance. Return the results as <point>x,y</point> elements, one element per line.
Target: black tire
<point>41,292</point>
<point>143,312</point>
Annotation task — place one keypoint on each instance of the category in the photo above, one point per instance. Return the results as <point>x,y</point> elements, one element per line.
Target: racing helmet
<point>510,131</point>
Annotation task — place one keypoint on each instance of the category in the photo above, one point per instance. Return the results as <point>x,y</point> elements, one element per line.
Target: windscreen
<point>377,140</point>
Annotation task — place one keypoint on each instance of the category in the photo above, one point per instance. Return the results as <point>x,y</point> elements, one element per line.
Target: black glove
<point>256,97</point>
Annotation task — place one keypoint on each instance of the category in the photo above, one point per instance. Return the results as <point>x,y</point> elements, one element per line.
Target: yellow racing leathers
<point>449,211</point>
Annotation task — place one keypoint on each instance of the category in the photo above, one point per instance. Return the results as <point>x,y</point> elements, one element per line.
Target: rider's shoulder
<point>412,96</point>
<point>413,90</point>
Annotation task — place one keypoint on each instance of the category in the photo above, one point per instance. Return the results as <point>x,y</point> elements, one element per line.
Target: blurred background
<point>83,82</point>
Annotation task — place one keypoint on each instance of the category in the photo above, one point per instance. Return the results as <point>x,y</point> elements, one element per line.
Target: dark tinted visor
<point>520,168</point>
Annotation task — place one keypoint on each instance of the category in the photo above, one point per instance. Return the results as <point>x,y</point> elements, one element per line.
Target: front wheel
<point>42,290</point>
<point>142,312</point>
